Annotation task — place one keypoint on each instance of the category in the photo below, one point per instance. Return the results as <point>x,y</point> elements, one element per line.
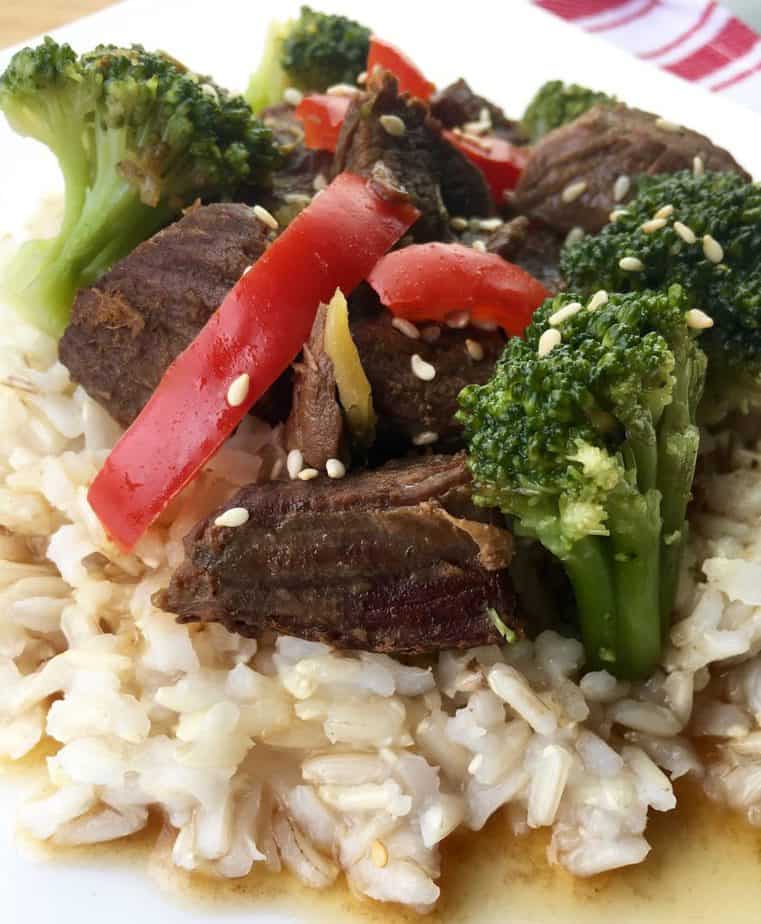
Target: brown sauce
<point>705,866</point>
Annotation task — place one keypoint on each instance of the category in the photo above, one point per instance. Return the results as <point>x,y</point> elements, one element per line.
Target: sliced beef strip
<point>406,405</point>
<point>597,148</point>
<point>374,561</point>
<point>457,104</point>
<point>130,325</point>
<point>293,183</point>
<point>315,425</point>
<point>419,162</point>
<point>532,246</point>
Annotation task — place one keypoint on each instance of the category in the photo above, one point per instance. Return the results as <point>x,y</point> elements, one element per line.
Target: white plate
<point>505,50</point>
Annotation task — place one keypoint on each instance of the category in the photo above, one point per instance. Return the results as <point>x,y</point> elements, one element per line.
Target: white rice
<point>291,754</point>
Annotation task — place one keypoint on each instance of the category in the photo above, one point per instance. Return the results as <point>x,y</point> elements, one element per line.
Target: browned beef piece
<point>292,184</point>
<point>457,104</point>
<point>419,162</point>
<point>406,405</point>
<point>532,246</point>
<point>375,561</point>
<point>315,425</point>
<point>597,148</point>
<point>127,328</point>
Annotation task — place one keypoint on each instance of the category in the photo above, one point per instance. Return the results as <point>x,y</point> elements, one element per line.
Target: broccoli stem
<point>588,568</point>
<point>635,541</point>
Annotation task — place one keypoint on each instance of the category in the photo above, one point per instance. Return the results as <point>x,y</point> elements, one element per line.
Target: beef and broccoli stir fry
<point>479,333</point>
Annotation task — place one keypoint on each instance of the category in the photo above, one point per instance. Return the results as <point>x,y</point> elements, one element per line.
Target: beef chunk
<point>292,184</point>
<point>375,561</point>
<point>127,328</point>
<point>457,104</point>
<point>419,161</point>
<point>532,246</point>
<point>315,425</point>
<point>406,405</point>
<point>603,144</point>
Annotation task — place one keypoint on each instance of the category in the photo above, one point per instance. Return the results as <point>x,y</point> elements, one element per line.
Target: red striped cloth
<point>697,40</point>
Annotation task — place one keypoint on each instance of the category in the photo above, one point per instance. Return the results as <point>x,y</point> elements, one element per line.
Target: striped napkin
<point>696,40</point>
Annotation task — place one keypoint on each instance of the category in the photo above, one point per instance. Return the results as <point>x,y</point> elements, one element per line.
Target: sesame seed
<point>458,224</point>
<point>698,167</point>
<point>335,468</point>
<point>420,368</point>
<point>294,463</point>
<point>475,765</point>
<point>319,182</point>
<point>488,326</point>
<point>621,187</point>
<point>277,468</point>
<point>235,516</point>
<point>265,217</point>
<point>485,144</point>
<point>686,234</point>
<point>457,319</point>
<point>631,264</point>
<point>297,198</point>
<point>599,299</point>
<point>379,854</point>
<point>654,224</point>
<point>475,128</point>
<point>431,333</point>
<point>362,77</point>
<point>406,327</point>
<point>712,249</point>
<point>238,390</point>
<point>490,224</point>
<point>548,341</point>
<point>667,126</point>
<point>393,125</point>
<point>665,211</point>
<point>425,438</point>
<point>307,474</point>
<point>479,245</point>
<point>573,191</point>
<point>574,236</point>
<point>475,350</point>
<point>617,213</point>
<point>564,313</point>
<point>292,96</point>
<point>246,271</point>
<point>342,89</point>
<point>698,319</point>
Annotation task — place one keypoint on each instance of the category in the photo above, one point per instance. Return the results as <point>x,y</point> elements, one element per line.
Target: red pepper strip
<point>500,162</point>
<point>427,282</point>
<point>258,330</point>
<point>410,79</point>
<point>322,116</point>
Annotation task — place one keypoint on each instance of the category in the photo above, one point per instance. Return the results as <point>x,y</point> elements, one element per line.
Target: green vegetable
<point>556,103</point>
<point>591,448</point>
<point>728,209</point>
<point>310,53</point>
<point>137,138</point>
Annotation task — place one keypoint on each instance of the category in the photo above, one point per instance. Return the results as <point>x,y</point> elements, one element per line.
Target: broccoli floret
<point>556,103</point>
<point>591,448</point>
<point>726,209</point>
<point>310,53</point>
<point>137,137</point>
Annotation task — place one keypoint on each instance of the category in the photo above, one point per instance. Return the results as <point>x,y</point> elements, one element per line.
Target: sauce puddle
<point>705,866</point>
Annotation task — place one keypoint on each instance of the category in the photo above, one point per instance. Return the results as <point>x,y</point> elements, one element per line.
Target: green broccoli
<point>137,138</point>
<point>703,232</point>
<point>556,103</point>
<point>590,445</point>
<point>310,53</point>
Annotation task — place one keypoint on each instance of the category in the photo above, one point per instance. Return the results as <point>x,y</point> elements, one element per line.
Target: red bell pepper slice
<point>410,79</point>
<point>427,282</point>
<point>500,162</point>
<point>259,328</point>
<point>322,116</point>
